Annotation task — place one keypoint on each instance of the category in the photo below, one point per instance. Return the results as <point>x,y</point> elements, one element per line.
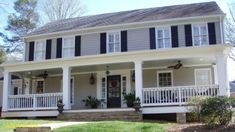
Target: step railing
<point>34,101</point>
<point>178,95</point>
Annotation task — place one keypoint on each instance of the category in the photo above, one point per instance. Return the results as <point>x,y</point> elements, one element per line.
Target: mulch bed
<point>199,127</point>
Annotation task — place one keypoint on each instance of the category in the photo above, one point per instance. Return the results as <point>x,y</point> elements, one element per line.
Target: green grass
<point>7,125</point>
<point>116,126</point>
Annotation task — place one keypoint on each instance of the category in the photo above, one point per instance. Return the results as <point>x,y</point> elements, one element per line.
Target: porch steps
<point>101,116</point>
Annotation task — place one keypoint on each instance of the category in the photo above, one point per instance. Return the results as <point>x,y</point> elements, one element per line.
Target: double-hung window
<point>40,50</point>
<point>164,78</point>
<point>202,76</point>
<point>200,34</point>
<point>163,37</point>
<point>113,42</point>
<point>68,47</point>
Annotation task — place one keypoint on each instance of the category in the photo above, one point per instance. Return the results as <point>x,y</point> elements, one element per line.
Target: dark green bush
<point>217,111</point>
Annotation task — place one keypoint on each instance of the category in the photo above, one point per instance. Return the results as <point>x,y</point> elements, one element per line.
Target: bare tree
<point>230,25</point>
<point>62,9</point>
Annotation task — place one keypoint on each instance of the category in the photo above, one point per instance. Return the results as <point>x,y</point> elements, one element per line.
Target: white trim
<point>107,41</point>
<point>163,37</point>
<point>166,109</point>
<point>128,24</point>
<point>165,71</point>
<point>30,113</point>
<point>200,24</point>
<point>202,69</point>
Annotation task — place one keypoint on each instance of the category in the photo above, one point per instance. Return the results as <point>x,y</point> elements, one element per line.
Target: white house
<point>164,55</point>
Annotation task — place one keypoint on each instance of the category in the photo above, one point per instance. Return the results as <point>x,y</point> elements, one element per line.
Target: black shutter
<point>77,45</point>
<point>31,51</point>
<point>188,35</point>
<point>152,38</point>
<point>124,41</point>
<point>212,34</point>
<point>59,48</point>
<point>48,49</point>
<point>103,43</point>
<point>174,36</point>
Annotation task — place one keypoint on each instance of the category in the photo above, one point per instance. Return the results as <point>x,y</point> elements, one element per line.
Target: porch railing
<point>34,101</point>
<point>178,95</point>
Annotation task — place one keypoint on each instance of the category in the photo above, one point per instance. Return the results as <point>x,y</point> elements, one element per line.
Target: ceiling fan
<point>43,75</point>
<point>176,66</point>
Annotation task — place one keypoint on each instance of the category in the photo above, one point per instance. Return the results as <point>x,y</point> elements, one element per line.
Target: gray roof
<point>124,17</point>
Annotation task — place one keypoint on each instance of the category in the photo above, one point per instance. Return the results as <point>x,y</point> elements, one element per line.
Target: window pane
<point>167,33</point>
<point>203,30</point>
<point>195,31</point>
<point>204,40</point>
<point>117,47</point>
<point>160,43</point>
<point>164,79</point>
<point>111,38</point>
<point>68,52</point>
<point>159,34</point>
<point>117,38</point>
<point>167,43</point>
<point>111,47</point>
<point>196,41</point>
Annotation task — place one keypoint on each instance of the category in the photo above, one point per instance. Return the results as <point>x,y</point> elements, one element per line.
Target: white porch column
<point>66,87</point>
<point>6,90</point>
<point>221,60</point>
<point>138,79</point>
<point>215,74</point>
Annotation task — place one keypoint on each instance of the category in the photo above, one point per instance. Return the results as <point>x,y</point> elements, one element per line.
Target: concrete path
<point>62,124</point>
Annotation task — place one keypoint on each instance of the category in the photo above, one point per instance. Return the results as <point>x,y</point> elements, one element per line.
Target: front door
<point>114,91</point>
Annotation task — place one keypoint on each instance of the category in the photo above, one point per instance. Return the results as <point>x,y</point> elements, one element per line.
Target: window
<point>165,78</point>
<point>40,50</point>
<point>114,42</point>
<point>39,86</point>
<point>68,47</point>
<point>163,37</point>
<point>200,34</point>
<point>202,76</point>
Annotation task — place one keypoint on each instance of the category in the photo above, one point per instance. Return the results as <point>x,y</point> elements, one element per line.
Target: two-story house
<point>164,55</point>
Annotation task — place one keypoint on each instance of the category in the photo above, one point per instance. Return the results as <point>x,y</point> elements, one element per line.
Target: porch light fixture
<point>92,79</point>
<point>107,70</point>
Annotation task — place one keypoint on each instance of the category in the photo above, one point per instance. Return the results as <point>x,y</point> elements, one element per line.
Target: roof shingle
<point>140,15</point>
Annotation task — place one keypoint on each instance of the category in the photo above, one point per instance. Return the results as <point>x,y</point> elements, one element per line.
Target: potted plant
<point>91,102</point>
<point>60,106</point>
<point>137,105</point>
<point>129,99</point>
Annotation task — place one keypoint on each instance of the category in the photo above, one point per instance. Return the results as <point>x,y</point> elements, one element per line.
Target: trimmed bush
<point>217,111</point>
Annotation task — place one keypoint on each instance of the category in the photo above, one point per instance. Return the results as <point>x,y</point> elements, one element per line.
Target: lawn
<point>116,126</point>
<point>7,125</point>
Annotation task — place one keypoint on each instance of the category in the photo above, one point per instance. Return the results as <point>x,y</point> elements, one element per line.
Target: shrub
<point>217,111</point>
<point>196,103</point>
<point>129,99</point>
<point>91,102</point>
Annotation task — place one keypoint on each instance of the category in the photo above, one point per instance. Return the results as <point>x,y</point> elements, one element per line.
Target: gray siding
<point>138,39</point>
<point>218,33</point>
<point>90,44</point>
<point>53,84</point>
<point>82,89</point>
<point>181,35</point>
<point>27,51</point>
<point>181,77</point>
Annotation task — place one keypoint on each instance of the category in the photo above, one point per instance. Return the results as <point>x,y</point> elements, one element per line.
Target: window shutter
<point>31,51</point>
<point>77,45</point>
<point>152,38</point>
<point>212,34</point>
<point>59,48</point>
<point>123,41</point>
<point>188,35</point>
<point>103,43</point>
<point>48,49</point>
<point>174,36</point>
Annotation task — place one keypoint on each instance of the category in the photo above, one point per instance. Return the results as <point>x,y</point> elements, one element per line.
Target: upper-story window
<point>40,50</point>
<point>200,35</point>
<point>163,37</point>
<point>68,47</point>
<point>113,42</point>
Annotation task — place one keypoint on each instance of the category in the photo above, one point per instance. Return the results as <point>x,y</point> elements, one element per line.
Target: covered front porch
<point>155,80</point>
